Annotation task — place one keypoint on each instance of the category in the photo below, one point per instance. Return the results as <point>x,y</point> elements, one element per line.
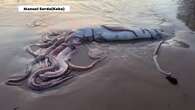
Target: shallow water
<point>126,13</point>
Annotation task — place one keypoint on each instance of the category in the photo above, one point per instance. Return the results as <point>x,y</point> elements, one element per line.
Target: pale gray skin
<point>168,75</point>
<point>63,57</point>
<point>44,79</point>
<point>155,56</point>
<point>34,81</point>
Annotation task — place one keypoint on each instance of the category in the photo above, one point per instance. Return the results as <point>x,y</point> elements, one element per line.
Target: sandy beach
<point>119,82</point>
<point>126,80</point>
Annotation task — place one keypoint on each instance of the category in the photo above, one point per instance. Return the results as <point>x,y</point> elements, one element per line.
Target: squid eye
<point>162,30</point>
<point>72,47</point>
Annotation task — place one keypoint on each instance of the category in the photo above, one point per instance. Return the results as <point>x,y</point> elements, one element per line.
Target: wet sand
<point>119,82</point>
<point>126,79</point>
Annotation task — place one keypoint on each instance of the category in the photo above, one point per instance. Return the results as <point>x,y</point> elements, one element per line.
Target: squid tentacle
<point>34,84</point>
<point>14,80</point>
<point>155,55</point>
<point>168,75</point>
<point>62,58</point>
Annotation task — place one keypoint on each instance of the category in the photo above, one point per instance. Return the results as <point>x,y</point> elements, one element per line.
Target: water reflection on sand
<point>125,12</point>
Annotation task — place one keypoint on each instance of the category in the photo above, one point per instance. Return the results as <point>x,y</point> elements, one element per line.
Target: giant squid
<point>54,54</point>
